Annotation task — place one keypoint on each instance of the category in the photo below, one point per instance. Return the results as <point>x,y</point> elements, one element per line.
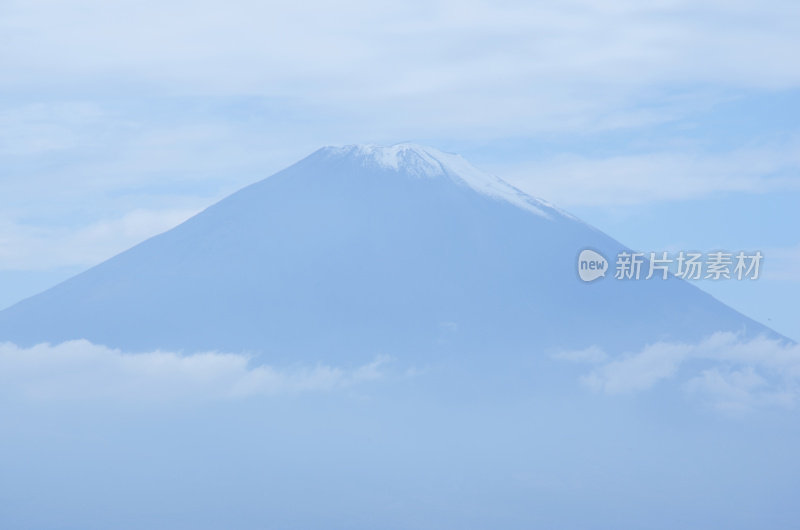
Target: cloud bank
<point>724,371</point>
<point>80,370</point>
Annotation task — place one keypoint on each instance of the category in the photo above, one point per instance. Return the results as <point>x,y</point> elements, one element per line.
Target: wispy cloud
<point>80,370</point>
<point>729,373</point>
<point>572,180</point>
<point>29,247</point>
<point>592,354</point>
<point>538,65</point>
<point>39,128</point>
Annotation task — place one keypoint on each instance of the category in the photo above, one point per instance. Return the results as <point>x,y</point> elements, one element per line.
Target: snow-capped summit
<point>359,250</point>
<point>423,161</point>
<point>417,159</point>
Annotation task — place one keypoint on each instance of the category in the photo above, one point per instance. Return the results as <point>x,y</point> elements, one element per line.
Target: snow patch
<point>427,162</point>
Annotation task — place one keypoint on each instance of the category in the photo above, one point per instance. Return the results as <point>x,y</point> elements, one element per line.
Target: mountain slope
<point>361,250</point>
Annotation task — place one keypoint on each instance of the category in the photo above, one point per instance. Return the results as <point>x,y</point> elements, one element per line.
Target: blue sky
<point>669,126</point>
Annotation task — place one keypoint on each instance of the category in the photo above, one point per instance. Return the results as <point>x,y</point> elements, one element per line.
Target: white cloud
<point>736,391</point>
<point>638,372</point>
<point>744,374</point>
<point>80,370</point>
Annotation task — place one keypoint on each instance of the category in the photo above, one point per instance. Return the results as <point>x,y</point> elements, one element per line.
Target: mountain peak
<point>426,162</point>
<point>416,159</point>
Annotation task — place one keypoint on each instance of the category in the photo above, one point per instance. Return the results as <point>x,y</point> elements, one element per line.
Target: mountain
<point>470,286</point>
<point>359,250</point>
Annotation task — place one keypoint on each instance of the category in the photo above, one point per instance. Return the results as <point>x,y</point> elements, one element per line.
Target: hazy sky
<point>674,125</point>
